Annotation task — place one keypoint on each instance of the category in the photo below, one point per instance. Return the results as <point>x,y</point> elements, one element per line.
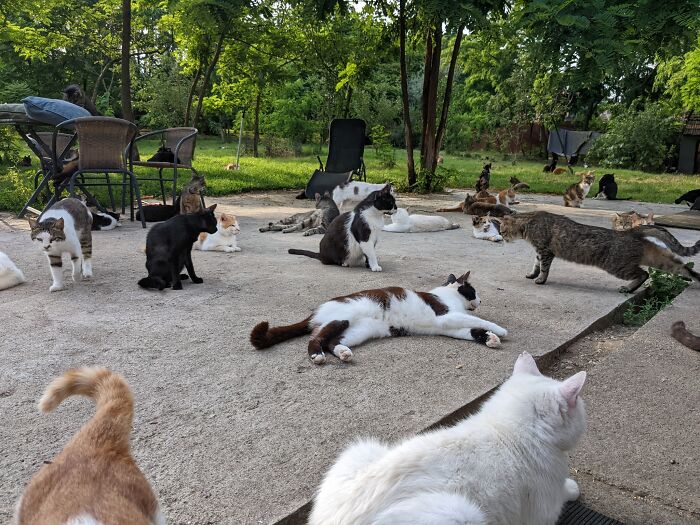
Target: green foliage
<point>162,98</point>
<point>14,91</point>
<point>638,139</point>
<point>431,182</point>
<point>15,189</point>
<point>382,148</point>
<point>679,78</point>
<point>663,289</point>
<point>9,148</point>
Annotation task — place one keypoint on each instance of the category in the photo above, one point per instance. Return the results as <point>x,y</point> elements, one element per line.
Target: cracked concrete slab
<point>225,433</point>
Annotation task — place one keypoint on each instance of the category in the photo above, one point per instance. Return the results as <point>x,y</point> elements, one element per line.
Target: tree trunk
<point>431,80</point>
<point>190,96</point>
<point>408,131</point>
<point>346,112</point>
<point>448,91</point>
<point>127,110</point>
<point>256,123</point>
<point>207,77</point>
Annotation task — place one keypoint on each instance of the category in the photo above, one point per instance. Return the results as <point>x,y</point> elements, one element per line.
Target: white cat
<point>224,240</point>
<point>10,275</point>
<point>355,191</point>
<point>402,222</point>
<point>484,228</point>
<point>505,465</point>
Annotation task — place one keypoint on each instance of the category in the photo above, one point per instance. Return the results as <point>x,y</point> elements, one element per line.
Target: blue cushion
<point>52,111</point>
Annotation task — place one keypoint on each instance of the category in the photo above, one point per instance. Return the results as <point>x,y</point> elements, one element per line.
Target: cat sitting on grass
<point>505,465</point>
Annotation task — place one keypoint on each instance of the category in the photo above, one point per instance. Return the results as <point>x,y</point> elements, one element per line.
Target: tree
<point>127,110</point>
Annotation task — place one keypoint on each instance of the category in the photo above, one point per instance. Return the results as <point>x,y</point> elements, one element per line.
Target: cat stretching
<point>224,240</point>
<point>350,320</point>
<point>351,237</point>
<point>312,222</point>
<point>620,253</point>
<point>10,275</point>
<point>576,193</point>
<point>65,227</point>
<point>505,465</point>
<point>485,228</point>
<point>94,480</point>
<point>402,222</point>
<point>681,334</point>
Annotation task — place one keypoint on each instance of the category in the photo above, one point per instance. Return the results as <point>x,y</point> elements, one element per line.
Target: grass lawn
<point>292,173</point>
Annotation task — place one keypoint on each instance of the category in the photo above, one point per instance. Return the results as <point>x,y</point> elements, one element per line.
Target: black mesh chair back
<point>346,145</point>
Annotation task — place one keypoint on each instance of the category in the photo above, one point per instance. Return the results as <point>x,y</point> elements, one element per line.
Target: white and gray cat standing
<point>505,465</point>
<point>65,228</point>
<point>10,275</point>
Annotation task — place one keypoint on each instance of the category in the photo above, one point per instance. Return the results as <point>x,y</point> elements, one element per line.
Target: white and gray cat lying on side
<point>356,191</point>
<point>10,275</point>
<point>402,222</point>
<point>505,465</point>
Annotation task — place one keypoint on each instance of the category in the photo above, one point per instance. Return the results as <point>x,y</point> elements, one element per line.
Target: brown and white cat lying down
<point>350,320</point>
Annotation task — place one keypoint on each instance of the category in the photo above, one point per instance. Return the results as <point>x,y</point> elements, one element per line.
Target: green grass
<point>663,289</point>
<point>293,173</point>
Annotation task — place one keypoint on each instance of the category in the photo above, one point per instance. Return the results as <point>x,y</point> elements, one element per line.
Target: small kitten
<point>506,464</point>
<point>94,479</point>
<point>681,334</point>
<point>10,275</point>
<point>402,222</point>
<point>356,191</point>
<point>191,197</point>
<point>576,193</point>
<point>485,228</point>
<point>631,219</point>
<point>224,240</point>
<point>65,227</point>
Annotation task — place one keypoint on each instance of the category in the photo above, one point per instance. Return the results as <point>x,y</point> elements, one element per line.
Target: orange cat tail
<point>262,336</point>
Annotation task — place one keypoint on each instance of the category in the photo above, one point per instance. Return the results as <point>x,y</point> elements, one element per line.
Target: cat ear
<point>211,208</point>
<point>451,279</point>
<point>525,364</point>
<point>317,196</point>
<point>571,388</point>
<point>386,189</point>
<point>650,217</point>
<point>33,223</point>
<point>58,225</point>
<point>224,217</point>
<point>463,278</point>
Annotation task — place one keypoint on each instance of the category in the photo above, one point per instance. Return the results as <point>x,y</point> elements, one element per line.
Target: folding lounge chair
<point>345,151</point>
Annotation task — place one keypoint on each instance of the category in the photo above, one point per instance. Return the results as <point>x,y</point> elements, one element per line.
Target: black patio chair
<point>346,148</point>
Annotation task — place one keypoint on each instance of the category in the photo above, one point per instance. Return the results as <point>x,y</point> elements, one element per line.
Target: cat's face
<point>197,184</point>
<point>554,408</point>
<point>230,223</point>
<point>325,200</point>
<point>401,215</point>
<point>481,223</point>
<point>588,177</point>
<point>384,201</point>
<point>47,232</point>
<point>465,289</point>
<point>632,219</point>
<point>510,227</point>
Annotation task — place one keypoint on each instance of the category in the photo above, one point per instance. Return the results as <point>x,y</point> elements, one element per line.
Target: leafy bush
<point>429,182</point>
<point>641,140</point>
<point>663,289</point>
<point>9,149</point>
<point>15,189</point>
<point>382,147</point>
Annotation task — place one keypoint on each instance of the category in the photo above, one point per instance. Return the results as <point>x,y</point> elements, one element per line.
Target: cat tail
<point>307,253</point>
<point>658,257</point>
<point>262,336</point>
<point>681,334</point>
<point>111,424</point>
<point>521,186</point>
<point>669,240</point>
<point>152,282</point>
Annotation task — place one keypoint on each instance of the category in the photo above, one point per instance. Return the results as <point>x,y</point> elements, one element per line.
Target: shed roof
<point>692,124</point>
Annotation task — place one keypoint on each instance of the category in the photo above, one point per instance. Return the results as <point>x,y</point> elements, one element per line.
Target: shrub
<point>382,147</point>
<point>663,289</point>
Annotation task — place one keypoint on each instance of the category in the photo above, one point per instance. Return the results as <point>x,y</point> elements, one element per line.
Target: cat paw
<point>318,359</point>
<point>500,332</point>
<point>87,275</point>
<point>77,277</point>
<point>343,353</point>
<point>56,288</point>
<point>177,286</point>
<point>376,268</point>
<point>236,249</point>
<point>540,280</point>
<point>492,340</point>
<point>623,289</point>
<point>197,280</point>
<point>571,489</point>
<point>532,275</point>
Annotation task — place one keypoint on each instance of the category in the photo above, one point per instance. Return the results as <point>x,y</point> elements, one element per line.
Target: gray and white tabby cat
<point>65,228</point>
<point>351,238</point>
<point>312,222</point>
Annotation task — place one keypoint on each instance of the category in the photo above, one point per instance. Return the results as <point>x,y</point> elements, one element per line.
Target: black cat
<point>690,197</point>
<point>159,212</point>
<point>482,183</point>
<point>169,248</point>
<point>607,188</point>
<point>104,220</point>
<point>696,205</point>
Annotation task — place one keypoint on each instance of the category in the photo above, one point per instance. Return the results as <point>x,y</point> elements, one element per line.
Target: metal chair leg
<point>109,190</point>
<point>162,184</point>
<point>135,186</point>
<point>32,199</point>
<point>123,193</point>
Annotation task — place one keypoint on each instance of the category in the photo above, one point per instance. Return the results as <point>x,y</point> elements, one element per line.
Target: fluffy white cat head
<point>400,216</point>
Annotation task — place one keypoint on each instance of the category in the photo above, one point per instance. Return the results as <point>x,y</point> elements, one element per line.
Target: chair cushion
<point>13,112</point>
<point>51,110</point>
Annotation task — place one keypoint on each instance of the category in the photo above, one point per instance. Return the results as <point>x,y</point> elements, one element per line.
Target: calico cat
<point>350,320</point>
<point>690,197</point>
<point>402,222</point>
<point>351,238</point>
<point>485,228</point>
<point>507,464</point>
<point>631,219</point>
<point>482,183</point>
<point>224,240</point>
<point>10,275</point>
<point>104,220</point>
<point>507,197</point>
<point>607,188</point>
<point>190,200</point>
<point>681,334</point>
<point>169,249</point>
<point>356,191</point>
<point>576,193</point>
<point>313,222</point>
<point>65,227</point>
<point>620,253</point>
<point>94,479</point>
<point>485,196</point>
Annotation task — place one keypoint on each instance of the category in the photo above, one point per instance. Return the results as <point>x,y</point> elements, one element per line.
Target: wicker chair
<point>181,141</point>
<point>104,147</point>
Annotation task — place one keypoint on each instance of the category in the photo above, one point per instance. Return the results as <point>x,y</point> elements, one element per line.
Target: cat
<point>350,320</point>
<point>505,465</point>
<point>689,197</point>
<point>104,220</point>
<point>559,171</point>
<point>352,236</point>
<point>159,212</point>
<point>576,193</point>
<point>631,219</point>
<point>169,248</point>
<point>65,227</point>
<point>482,183</point>
<point>607,188</point>
<point>94,479</point>
<point>313,222</point>
<point>356,191</point>
<point>484,228</point>
<point>471,206</point>
<point>190,200</point>
<point>681,334</point>
<point>26,161</point>
<point>224,240</point>
<point>620,253</point>
<point>514,181</point>
<point>485,196</point>
<point>402,222</point>
<point>507,197</point>
<point>696,205</point>
<point>10,275</point>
